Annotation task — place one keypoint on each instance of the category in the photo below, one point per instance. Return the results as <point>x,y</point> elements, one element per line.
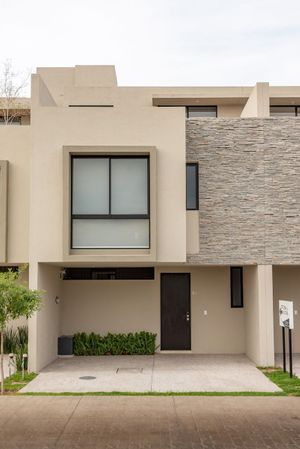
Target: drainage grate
<point>87,377</point>
<point>129,370</point>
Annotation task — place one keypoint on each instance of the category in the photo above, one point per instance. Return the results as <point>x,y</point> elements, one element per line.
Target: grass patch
<point>15,382</point>
<point>154,393</point>
<point>289,385</point>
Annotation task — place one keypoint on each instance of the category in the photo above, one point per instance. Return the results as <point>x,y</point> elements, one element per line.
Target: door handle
<point>187,316</point>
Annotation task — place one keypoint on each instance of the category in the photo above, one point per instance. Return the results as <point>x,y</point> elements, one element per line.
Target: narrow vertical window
<point>192,201</point>
<point>236,286</point>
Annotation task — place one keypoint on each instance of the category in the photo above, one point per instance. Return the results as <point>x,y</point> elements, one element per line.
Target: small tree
<point>16,301</point>
<point>12,86</point>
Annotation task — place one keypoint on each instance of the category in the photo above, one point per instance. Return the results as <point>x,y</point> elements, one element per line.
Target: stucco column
<point>258,104</point>
<point>44,326</point>
<point>258,292</point>
<point>32,322</point>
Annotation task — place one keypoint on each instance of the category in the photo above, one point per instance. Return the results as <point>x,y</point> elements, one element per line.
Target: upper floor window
<point>110,202</point>
<point>192,190</point>
<point>284,111</point>
<point>201,111</point>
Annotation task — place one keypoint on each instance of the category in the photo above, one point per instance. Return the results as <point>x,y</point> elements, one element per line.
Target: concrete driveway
<point>160,373</point>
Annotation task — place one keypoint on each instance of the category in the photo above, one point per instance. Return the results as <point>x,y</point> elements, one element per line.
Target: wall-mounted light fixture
<point>57,300</point>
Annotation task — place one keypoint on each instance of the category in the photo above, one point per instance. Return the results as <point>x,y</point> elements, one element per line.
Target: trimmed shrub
<point>141,343</point>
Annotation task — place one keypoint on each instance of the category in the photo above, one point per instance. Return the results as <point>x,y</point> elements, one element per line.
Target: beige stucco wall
<point>15,142</point>
<point>228,110</point>
<point>128,306</point>
<point>44,326</point>
<point>258,104</point>
<point>122,125</point>
<point>20,322</point>
<point>109,306</point>
<point>287,286</point>
<point>258,301</point>
<point>192,231</point>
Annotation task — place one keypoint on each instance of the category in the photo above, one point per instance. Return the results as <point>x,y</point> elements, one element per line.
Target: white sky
<point>158,42</point>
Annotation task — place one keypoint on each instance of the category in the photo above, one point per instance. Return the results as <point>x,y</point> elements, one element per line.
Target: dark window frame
<point>109,216</point>
<point>215,107</point>
<point>295,107</point>
<point>233,306</point>
<point>192,164</point>
<point>111,273</point>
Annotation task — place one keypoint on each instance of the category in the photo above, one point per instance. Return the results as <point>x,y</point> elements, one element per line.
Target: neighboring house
<point>169,209</point>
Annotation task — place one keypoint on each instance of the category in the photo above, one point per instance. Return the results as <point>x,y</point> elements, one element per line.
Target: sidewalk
<point>31,422</point>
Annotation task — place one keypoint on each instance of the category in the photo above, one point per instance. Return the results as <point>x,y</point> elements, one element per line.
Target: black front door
<point>175,311</point>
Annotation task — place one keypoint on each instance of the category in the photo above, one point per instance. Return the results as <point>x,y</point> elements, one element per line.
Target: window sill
<point>111,256</point>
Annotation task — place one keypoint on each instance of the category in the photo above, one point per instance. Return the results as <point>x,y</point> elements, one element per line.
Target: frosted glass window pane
<point>129,186</point>
<point>90,186</point>
<point>105,233</point>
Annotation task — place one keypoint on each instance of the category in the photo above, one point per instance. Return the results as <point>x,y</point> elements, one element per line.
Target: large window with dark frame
<point>110,202</point>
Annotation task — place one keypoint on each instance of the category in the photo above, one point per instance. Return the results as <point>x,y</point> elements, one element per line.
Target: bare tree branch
<point>12,86</point>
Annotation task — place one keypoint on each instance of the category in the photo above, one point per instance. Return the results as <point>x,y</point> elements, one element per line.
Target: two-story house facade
<point>169,209</point>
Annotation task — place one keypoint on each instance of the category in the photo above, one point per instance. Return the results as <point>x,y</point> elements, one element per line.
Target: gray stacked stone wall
<point>249,189</point>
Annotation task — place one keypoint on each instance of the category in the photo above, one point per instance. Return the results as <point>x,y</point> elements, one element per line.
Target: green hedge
<point>142,343</point>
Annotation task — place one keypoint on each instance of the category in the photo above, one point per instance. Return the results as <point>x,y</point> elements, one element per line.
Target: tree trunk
<point>2,362</point>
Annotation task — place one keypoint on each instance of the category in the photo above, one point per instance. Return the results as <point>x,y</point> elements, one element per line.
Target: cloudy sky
<point>158,42</point>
